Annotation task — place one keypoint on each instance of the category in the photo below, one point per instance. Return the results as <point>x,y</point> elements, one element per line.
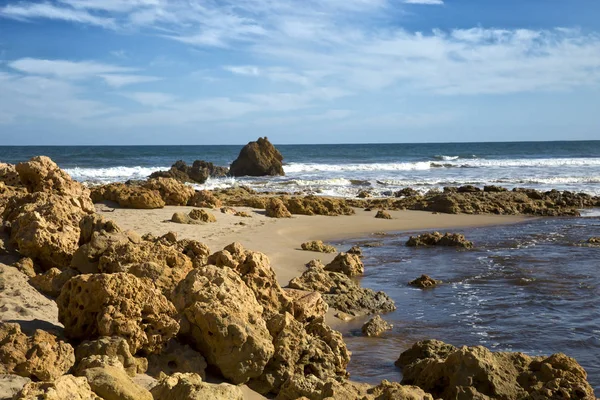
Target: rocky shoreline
<point>174,310</point>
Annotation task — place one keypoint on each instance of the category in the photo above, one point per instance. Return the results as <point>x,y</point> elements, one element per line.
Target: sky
<point>298,71</point>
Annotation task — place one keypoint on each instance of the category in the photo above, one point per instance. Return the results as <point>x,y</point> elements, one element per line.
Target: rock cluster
<point>449,372</point>
<point>128,196</point>
<point>375,326</point>
<point>258,158</point>
<point>438,239</point>
<point>198,172</point>
<point>341,292</point>
<point>318,246</point>
<point>424,282</point>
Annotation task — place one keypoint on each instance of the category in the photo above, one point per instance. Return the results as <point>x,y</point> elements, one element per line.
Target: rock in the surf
<point>437,239</point>
<point>198,172</point>
<point>594,241</point>
<point>318,246</point>
<point>375,326</point>
<point>348,264</point>
<point>449,372</point>
<point>258,158</point>
<point>424,282</point>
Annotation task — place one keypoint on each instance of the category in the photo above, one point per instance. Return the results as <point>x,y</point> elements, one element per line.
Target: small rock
<point>348,264</point>
<point>318,246</point>
<point>594,240</point>
<point>424,281</point>
<point>183,218</point>
<point>25,265</point>
<point>201,215</point>
<point>112,383</point>
<point>375,326</point>
<point>437,239</point>
<point>383,214</point>
<point>363,194</point>
<point>276,209</point>
<point>356,250</point>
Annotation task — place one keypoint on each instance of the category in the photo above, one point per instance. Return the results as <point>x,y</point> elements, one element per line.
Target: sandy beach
<point>280,239</point>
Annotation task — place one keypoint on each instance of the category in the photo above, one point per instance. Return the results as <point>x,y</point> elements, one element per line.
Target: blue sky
<point>329,71</point>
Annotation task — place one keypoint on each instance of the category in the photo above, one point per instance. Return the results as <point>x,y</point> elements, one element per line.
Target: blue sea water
<point>344,170</point>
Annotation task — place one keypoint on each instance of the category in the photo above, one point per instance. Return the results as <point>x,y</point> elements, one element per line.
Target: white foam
<point>299,167</point>
<point>111,174</point>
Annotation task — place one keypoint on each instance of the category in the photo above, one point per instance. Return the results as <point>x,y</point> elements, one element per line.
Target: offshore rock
<point>276,209</point>
<point>318,246</point>
<point>223,320</point>
<point>477,373</point>
<point>173,193</point>
<point>67,387</point>
<point>128,196</point>
<point>424,282</point>
<point>258,158</point>
<point>198,172</point>
<point>189,386</point>
<point>40,356</point>
<point>120,304</point>
<point>437,239</point>
<point>375,326</point>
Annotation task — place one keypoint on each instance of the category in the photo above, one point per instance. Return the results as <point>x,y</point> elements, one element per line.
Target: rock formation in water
<point>438,239</point>
<point>375,326</point>
<point>198,172</point>
<point>258,158</point>
<point>424,282</point>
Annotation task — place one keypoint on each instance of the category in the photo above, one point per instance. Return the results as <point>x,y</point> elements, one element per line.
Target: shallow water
<point>532,287</point>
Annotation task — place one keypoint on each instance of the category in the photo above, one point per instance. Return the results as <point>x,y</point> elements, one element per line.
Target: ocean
<point>531,287</point>
<point>344,170</point>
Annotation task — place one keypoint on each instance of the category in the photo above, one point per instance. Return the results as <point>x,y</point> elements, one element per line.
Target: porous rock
<point>113,383</point>
<point>120,304</point>
<point>223,320</point>
<point>315,205</point>
<point>41,356</point>
<point>11,384</point>
<point>383,215</point>
<point>276,209</point>
<point>347,264</point>
<point>128,196</point>
<point>375,326</point>
<point>173,193</point>
<point>258,158</point>
<point>437,239</point>
<point>112,346</point>
<point>26,266</point>
<point>9,175</point>
<point>176,357</point>
<point>189,386</point>
<point>477,373</point>
<point>307,306</point>
<point>41,174</point>
<point>67,387</point>
<point>424,282</point>
<point>51,282</point>
<point>202,216</point>
<point>318,246</point>
<point>204,199</point>
<point>45,227</point>
<point>95,223</point>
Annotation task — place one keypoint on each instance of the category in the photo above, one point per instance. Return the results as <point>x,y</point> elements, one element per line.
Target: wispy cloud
<point>27,11</point>
<point>124,80</point>
<point>65,68</point>
<point>425,2</point>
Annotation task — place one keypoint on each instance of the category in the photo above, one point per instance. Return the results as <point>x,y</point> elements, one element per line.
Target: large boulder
<point>41,174</point>
<point>173,192</point>
<point>45,227</point>
<point>198,172</point>
<point>258,158</point>
<point>449,372</point>
<point>128,196</point>
<point>189,386</point>
<point>223,320</point>
<point>40,356</point>
<point>67,387</point>
<point>120,304</point>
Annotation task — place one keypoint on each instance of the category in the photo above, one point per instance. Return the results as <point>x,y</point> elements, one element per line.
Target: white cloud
<point>248,70</point>
<point>153,99</point>
<point>64,68</point>
<point>123,80</point>
<point>425,2</point>
<point>25,11</point>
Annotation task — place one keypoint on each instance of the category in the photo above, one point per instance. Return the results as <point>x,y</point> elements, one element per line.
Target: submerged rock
<point>424,282</point>
<point>318,246</point>
<point>375,326</point>
<point>437,239</point>
<point>477,373</point>
<point>258,158</point>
